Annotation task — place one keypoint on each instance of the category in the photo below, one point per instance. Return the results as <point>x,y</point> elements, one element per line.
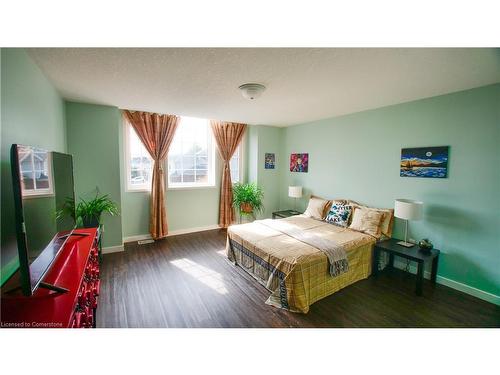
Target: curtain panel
<point>156,133</point>
<point>228,136</point>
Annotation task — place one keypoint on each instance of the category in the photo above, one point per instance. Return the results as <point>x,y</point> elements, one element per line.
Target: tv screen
<point>42,184</point>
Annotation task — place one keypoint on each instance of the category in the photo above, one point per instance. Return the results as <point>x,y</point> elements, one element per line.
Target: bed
<point>296,273</point>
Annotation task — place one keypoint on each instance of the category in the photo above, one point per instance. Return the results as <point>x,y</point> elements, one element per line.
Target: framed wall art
<point>430,162</point>
<point>269,160</point>
<point>299,162</point>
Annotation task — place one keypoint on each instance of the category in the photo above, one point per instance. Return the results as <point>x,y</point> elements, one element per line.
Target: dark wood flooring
<point>186,281</point>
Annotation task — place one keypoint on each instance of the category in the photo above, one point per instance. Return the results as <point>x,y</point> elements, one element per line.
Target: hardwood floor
<point>186,281</point>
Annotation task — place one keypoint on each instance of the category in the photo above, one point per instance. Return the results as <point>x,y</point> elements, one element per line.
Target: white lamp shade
<point>295,191</point>
<point>408,209</point>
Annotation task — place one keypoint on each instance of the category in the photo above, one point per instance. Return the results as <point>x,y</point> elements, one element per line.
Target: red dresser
<point>76,269</point>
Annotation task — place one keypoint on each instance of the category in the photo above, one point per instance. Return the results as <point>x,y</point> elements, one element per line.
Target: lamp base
<point>406,244</point>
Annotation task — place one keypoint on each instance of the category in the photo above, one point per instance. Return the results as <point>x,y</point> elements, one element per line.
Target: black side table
<point>285,213</point>
<point>413,253</point>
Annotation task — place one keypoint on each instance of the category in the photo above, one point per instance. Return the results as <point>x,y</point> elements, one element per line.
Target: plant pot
<point>90,221</point>
<point>246,208</point>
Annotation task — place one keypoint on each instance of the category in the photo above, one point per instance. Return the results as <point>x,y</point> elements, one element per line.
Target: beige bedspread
<point>296,273</point>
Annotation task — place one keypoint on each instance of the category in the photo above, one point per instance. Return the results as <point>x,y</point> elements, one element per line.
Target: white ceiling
<point>302,84</point>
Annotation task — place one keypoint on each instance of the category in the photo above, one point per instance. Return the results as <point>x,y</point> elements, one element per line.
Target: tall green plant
<point>87,212</point>
<point>248,194</point>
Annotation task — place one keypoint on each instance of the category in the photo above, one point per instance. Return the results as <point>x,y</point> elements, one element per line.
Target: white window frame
<point>142,188</point>
<point>241,164</point>
<point>38,193</point>
<point>211,167</point>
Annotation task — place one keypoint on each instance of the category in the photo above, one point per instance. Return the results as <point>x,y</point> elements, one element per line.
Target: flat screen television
<point>42,182</point>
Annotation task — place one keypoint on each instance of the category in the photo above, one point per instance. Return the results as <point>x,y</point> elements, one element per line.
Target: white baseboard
<point>138,237</point>
<point>171,233</point>
<point>486,296</point>
<point>112,249</point>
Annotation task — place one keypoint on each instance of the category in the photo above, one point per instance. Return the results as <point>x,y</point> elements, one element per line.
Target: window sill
<point>41,195</point>
<point>191,187</point>
<point>172,188</point>
<point>138,190</point>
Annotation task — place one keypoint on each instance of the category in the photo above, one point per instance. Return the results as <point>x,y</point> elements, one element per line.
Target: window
<point>191,155</point>
<point>190,159</point>
<point>36,171</point>
<point>235,165</point>
<point>140,164</point>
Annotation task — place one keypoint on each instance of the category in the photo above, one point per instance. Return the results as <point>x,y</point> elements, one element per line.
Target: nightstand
<point>285,213</point>
<point>412,253</point>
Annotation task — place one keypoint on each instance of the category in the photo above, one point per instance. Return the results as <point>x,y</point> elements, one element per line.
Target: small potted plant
<point>87,214</point>
<point>247,198</point>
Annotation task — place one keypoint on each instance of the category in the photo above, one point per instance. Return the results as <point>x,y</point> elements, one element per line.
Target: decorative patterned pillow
<point>339,214</point>
<point>367,221</point>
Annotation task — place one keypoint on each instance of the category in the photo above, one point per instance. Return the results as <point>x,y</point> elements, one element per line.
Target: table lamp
<point>408,209</point>
<point>295,192</point>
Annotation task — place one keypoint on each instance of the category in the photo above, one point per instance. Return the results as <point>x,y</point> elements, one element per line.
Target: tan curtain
<point>156,133</point>
<point>228,136</point>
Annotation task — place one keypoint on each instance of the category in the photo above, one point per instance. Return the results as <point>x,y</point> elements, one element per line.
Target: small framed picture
<point>299,162</point>
<point>269,160</point>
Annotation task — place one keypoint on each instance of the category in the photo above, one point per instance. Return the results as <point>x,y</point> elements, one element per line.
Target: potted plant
<point>87,214</point>
<point>247,198</point>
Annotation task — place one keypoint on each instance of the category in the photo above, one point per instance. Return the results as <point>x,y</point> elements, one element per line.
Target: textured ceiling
<point>302,84</point>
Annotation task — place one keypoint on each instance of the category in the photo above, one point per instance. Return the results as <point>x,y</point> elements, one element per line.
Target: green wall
<point>186,208</point>
<point>32,113</point>
<point>93,134</point>
<point>252,154</point>
<point>104,167</point>
<point>262,140</point>
<point>357,157</point>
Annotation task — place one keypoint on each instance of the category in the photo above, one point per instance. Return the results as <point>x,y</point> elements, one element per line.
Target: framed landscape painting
<point>430,162</point>
<point>299,162</point>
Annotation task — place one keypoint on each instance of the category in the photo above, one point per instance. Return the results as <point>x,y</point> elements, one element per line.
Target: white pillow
<point>367,221</point>
<point>316,208</point>
<point>387,221</point>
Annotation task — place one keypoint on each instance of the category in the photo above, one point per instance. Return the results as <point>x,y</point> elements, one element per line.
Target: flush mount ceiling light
<point>252,90</point>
